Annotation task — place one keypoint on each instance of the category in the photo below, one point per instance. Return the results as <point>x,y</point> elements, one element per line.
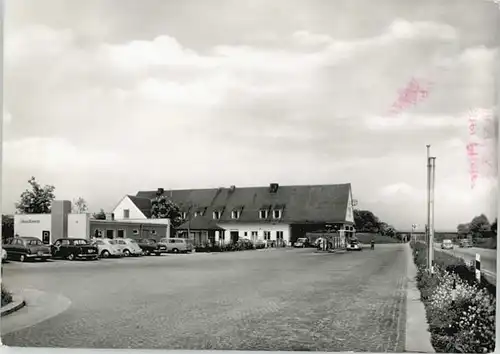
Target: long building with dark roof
<point>270,213</point>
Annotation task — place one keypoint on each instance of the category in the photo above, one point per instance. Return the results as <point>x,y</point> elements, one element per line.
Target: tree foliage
<point>478,227</point>
<point>80,205</point>
<point>37,199</point>
<point>101,215</point>
<point>494,227</point>
<point>366,221</point>
<point>164,208</point>
<point>7,227</point>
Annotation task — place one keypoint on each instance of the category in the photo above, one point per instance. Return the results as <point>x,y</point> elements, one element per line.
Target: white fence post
<point>478,267</point>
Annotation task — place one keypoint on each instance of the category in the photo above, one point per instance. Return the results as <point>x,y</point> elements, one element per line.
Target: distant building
<point>273,213</point>
<point>61,223</point>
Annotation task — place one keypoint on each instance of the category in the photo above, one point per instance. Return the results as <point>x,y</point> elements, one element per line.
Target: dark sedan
<point>74,248</point>
<point>150,246</point>
<point>23,248</point>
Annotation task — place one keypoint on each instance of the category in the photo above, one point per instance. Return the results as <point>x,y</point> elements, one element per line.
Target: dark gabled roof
<point>302,204</point>
<point>143,204</point>
<point>200,223</point>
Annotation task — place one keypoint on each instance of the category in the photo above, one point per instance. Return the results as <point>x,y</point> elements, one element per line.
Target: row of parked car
<point>24,248</point>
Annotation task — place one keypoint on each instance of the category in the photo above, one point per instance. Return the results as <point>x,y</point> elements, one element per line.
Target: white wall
<point>260,228</point>
<point>32,224</point>
<point>349,216</point>
<point>78,226</point>
<point>126,203</point>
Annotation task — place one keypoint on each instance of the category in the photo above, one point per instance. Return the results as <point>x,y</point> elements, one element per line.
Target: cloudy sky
<point>107,97</point>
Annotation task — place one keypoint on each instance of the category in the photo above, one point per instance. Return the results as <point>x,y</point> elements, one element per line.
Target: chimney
<point>273,187</point>
<point>159,192</point>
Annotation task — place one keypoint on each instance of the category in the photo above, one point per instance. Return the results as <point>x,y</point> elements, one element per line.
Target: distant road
<point>488,258</point>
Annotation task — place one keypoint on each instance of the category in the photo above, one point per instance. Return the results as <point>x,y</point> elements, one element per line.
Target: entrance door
<point>234,236</point>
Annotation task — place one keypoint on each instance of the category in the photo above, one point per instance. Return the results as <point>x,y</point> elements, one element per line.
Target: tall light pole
<point>427,233</point>
<point>413,237</point>
<point>431,223</point>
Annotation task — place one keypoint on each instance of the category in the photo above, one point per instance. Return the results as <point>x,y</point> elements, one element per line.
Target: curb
<point>418,337</point>
<point>16,304</point>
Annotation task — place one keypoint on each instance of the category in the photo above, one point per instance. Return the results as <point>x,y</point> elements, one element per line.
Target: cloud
<point>306,107</point>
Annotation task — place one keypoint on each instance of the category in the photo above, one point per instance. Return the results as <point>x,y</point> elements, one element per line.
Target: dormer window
<point>235,214</point>
<point>216,215</point>
<point>277,213</point>
<point>199,212</point>
<point>184,215</point>
<point>263,214</point>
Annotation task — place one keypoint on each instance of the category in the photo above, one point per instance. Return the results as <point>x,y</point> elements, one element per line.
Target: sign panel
<point>46,237</point>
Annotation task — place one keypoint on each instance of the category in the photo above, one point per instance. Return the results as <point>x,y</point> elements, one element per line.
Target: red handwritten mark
<point>412,94</point>
<point>489,133</point>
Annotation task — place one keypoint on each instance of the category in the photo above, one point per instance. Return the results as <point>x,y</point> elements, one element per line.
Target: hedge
<point>465,324</point>
<point>6,296</point>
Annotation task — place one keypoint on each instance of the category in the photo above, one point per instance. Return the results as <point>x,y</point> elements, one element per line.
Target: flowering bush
<point>460,312</point>
<point>6,296</point>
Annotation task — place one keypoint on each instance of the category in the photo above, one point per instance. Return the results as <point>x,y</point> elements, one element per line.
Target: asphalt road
<point>293,299</point>
<point>488,258</point>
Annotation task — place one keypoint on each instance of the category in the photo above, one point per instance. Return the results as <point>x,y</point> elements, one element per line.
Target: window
<point>153,232</point>
<point>245,233</point>
<point>110,234</point>
<point>279,235</point>
<point>267,235</point>
<point>35,242</point>
<point>65,242</point>
<point>135,232</point>
<point>263,214</point>
<point>121,234</point>
<point>254,234</point>
<point>98,233</point>
<point>216,215</point>
<point>277,214</point>
<point>235,214</point>
<point>126,213</point>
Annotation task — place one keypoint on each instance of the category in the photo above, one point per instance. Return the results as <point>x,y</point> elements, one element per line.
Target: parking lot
<point>279,299</point>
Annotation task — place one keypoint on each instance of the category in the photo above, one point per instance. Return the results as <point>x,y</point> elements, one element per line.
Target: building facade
<point>60,223</point>
<point>273,213</point>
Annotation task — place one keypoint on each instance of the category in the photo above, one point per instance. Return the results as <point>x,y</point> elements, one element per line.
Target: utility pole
<point>431,224</point>
<point>427,233</point>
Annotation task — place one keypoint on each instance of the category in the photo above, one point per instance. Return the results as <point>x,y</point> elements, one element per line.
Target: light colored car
<point>108,248</point>
<point>177,245</point>
<point>4,255</point>
<point>447,245</point>
<point>129,247</point>
<point>301,242</point>
<point>354,245</point>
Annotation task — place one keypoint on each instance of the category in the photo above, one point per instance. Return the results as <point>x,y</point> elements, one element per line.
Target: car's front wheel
<point>70,257</point>
<point>175,250</point>
<point>105,254</point>
<point>126,253</point>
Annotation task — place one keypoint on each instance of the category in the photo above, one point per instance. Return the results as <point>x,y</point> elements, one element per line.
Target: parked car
<point>129,247</point>
<point>177,245</point>
<point>354,245</point>
<point>22,248</point>
<point>4,255</point>
<point>301,242</point>
<point>107,248</point>
<point>446,245</point>
<point>465,243</point>
<point>74,248</point>
<point>150,246</point>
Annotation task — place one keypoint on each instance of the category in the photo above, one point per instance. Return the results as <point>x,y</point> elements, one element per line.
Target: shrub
<point>465,324</point>
<point>6,296</point>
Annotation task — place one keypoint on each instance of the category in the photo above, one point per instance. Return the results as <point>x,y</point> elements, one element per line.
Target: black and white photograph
<point>252,175</point>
